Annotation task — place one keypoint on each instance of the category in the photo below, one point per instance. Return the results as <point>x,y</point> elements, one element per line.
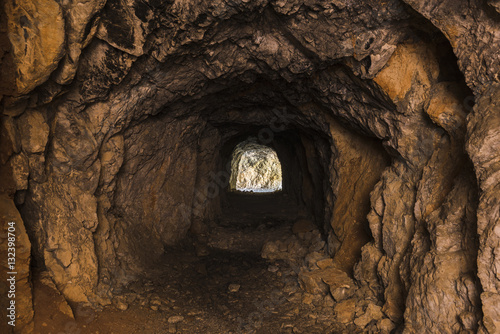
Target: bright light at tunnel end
<point>255,168</point>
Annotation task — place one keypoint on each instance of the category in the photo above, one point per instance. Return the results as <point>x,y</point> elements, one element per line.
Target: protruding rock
<point>175,319</point>
<point>37,35</point>
<point>34,132</point>
<point>233,288</point>
<point>345,310</point>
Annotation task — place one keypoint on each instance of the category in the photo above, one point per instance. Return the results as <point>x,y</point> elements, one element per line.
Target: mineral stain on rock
<point>373,126</point>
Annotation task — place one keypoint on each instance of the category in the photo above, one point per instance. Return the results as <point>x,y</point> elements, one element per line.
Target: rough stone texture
<point>36,32</point>
<point>62,230</point>
<point>472,32</point>
<point>81,25</point>
<point>34,132</point>
<point>206,204</point>
<point>356,169</point>
<point>62,304</point>
<point>482,145</point>
<point>23,297</point>
<point>118,146</point>
<point>156,213</point>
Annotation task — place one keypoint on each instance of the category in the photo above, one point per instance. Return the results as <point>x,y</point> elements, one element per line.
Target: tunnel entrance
<point>116,143</point>
<point>279,183</point>
<point>255,168</point>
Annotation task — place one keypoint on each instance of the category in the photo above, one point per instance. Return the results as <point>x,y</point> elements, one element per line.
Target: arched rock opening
<point>255,168</point>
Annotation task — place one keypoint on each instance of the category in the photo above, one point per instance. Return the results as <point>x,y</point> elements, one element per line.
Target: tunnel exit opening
<point>255,168</point>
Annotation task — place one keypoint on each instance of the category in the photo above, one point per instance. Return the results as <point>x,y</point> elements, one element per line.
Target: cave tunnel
<point>250,167</point>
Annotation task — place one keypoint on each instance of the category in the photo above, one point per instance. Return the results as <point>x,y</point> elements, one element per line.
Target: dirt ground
<point>223,290</point>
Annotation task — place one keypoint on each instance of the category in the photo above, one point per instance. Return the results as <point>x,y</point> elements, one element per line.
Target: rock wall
<point>111,114</point>
<point>17,317</point>
<point>482,146</point>
<point>153,185</point>
<point>357,166</point>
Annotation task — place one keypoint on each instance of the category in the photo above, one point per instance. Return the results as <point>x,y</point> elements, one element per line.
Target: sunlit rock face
<point>255,168</point>
<point>114,114</point>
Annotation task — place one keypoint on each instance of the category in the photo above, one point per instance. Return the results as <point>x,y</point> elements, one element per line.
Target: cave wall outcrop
<point>482,145</point>
<point>112,105</point>
<point>357,167</point>
<point>152,216</point>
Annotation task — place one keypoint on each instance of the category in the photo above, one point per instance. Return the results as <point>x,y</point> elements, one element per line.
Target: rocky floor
<point>222,286</point>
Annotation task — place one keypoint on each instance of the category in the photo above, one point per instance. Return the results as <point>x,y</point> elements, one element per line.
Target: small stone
<point>312,258</point>
<point>318,300</point>
<point>44,324</point>
<point>328,301</point>
<point>372,312</point>
<point>154,307</point>
<point>175,319</point>
<point>312,282</point>
<point>290,287</point>
<point>202,250</point>
<point>385,325</point>
<point>294,298</point>
<point>269,250</point>
<point>341,293</point>
<point>132,297</point>
<point>307,299</point>
<point>341,285</point>
<point>312,15</point>
<point>282,246</point>
<point>155,302</point>
<point>234,288</point>
<point>345,311</point>
<point>325,263</point>
<point>317,245</point>
<point>272,268</point>
<point>122,306</point>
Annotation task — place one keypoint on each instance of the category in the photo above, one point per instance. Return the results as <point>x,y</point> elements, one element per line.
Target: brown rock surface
<point>37,34</point>
<point>119,119</point>
<point>21,290</point>
<point>483,144</point>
